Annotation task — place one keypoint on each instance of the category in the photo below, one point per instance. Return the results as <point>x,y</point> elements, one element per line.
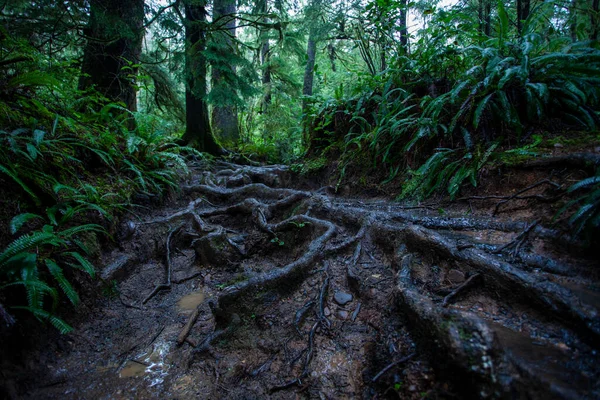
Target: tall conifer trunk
<point>523,9</point>
<point>595,19</point>
<point>114,32</point>
<point>197,132</point>
<point>403,22</point>
<point>224,117</point>
<point>264,61</point>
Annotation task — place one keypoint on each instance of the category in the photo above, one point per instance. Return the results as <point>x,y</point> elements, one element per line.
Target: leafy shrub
<point>587,217</point>
<point>50,246</point>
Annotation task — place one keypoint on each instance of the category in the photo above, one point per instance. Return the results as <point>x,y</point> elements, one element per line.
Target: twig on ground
<point>392,365</point>
<point>322,295</point>
<point>356,311</point>
<point>185,332</point>
<point>167,284</point>
<point>528,188</point>
<point>301,313</point>
<point>518,241</point>
<point>464,286</point>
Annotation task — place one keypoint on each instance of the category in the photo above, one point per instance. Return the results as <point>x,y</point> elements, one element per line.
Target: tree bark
<point>224,117</point>
<point>523,8</point>
<point>403,25</point>
<point>487,17</point>
<point>115,31</point>
<point>264,62</point>
<point>309,70</point>
<point>197,133</point>
<point>595,20</point>
<point>573,22</point>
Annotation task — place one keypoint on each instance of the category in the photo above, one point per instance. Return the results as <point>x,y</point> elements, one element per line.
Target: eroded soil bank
<point>248,288</point>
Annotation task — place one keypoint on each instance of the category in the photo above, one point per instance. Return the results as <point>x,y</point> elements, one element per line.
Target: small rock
<point>412,388</point>
<point>558,145</point>
<point>342,298</point>
<point>342,314</point>
<point>327,311</point>
<point>456,276</point>
<point>120,268</point>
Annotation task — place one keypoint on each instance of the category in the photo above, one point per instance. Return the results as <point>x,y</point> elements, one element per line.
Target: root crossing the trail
<point>268,291</point>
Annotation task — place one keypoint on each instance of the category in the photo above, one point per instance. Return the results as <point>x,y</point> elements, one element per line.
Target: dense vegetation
<point>102,101</point>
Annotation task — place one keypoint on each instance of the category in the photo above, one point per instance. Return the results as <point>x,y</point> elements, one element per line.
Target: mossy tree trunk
<point>224,116</point>
<point>114,44</point>
<point>197,133</point>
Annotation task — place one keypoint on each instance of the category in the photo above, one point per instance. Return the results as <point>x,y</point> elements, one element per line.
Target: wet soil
<point>246,287</point>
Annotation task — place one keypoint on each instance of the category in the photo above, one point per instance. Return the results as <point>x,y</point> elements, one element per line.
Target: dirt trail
<point>247,288</point>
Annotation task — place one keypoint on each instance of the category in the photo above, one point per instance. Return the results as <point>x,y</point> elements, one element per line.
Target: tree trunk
<point>523,8</point>
<point>115,32</point>
<point>573,22</point>
<point>309,70</point>
<point>266,74</point>
<point>197,133</point>
<point>519,16</point>
<point>403,22</point>
<point>595,20</point>
<point>264,61</point>
<point>224,117</point>
<point>488,17</point>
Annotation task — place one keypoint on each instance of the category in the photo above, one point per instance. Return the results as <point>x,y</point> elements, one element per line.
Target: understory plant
<point>49,251</point>
<point>438,133</point>
<point>70,162</point>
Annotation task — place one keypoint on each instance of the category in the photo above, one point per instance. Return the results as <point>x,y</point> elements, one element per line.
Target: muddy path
<point>248,288</point>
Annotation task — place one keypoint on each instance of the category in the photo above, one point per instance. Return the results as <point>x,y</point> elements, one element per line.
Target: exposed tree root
<point>461,289</point>
<point>242,216</point>
<point>392,365</point>
<point>167,284</point>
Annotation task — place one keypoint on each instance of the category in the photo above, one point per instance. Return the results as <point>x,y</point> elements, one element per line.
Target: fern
<point>23,186</point>
<point>18,221</point>
<point>25,243</point>
<point>57,272</point>
<point>83,264</point>
<point>43,315</point>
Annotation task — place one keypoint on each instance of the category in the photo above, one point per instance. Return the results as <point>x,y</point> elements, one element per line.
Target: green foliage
<point>587,216</point>
<point>72,163</point>
<point>50,246</point>
<point>447,107</point>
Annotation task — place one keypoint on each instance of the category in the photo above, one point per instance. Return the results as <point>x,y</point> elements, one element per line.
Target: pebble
<point>456,276</point>
<point>327,311</point>
<point>342,298</point>
<point>342,314</point>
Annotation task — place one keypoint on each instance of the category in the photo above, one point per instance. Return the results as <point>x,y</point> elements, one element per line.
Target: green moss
<point>313,165</point>
<point>574,139</point>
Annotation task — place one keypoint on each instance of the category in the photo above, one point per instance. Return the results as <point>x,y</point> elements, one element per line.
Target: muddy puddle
<point>150,365</point>
<point>191,301</point>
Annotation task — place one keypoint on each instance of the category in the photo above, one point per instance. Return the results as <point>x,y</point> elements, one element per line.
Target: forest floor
<point>252,284</point>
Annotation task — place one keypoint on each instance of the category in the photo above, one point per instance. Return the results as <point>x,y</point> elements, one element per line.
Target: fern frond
<point>57,272</point>
<point>84,264</point>
<point>68,233</point>
<point>26,188</point>
<point>27,242</point>
<point>585,183</point>
<point>56,322</point>
<point>18,221</point>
